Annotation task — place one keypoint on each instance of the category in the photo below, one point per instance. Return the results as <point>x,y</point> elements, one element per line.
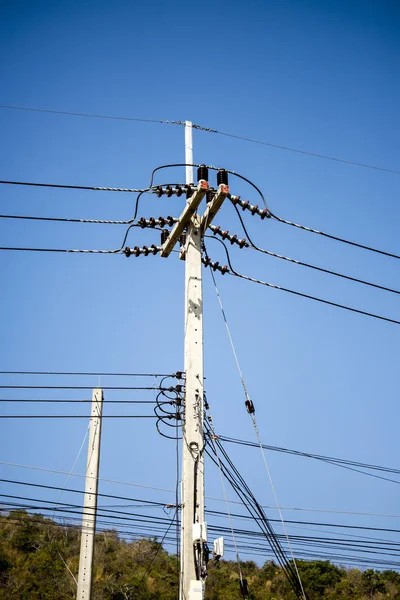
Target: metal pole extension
<point>90,501</point>
<point>193,533</point>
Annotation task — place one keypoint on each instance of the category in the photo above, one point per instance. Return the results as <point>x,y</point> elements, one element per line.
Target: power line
<point>253,246</point>
<point>233,272</point>
<point>96,373</point>
<point>82,417</point>
<point>334,237</point>
<point>296,150</point>
<point>128,483</point>
<point>91,115</point>
<point>329,459</point>
<point>206,130</point>
<point>63,401</point>
<point>67,220</point>
<point>74,187</point>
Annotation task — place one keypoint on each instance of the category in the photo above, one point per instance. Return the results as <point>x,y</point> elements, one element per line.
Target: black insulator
<point>154,249</point>
<point>161,221</point>
<point>164,236</point>
<point>169,191</point>
<point>137,251</point>
<point>152,222</point>
<point>159,191</point>
<point>179,191</point>
<point>170,220</point>
<point>179,374</point>
<point>182,239</point>
<point>215,266</point>
<point>244,588</point>
<point>209,195</point>
<point>178,388</point>
<point>145,250</point>
<point>224,269</point>
<point>222,177</point>
<point>189,190</point>
<point>202,173</point>
<point>242,243</point>
<point>127,252</point>
<point>250,407</point>
<point>142,222</point>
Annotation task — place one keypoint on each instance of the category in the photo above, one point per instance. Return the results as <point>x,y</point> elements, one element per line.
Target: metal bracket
<point>213,207</point>
<point>187,213</point>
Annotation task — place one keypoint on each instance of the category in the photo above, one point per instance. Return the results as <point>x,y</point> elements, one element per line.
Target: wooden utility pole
<point>90,502</point>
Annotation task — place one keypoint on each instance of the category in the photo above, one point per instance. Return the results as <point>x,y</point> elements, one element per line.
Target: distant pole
<point>90,500</point>
<point>192,445</point>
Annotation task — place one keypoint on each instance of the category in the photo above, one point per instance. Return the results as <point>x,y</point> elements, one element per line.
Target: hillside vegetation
<point>38,561</point>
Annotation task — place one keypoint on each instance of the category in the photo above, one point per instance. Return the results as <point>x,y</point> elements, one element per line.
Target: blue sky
<point>317,76</point>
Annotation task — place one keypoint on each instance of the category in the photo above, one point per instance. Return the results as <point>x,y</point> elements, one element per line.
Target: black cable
<point>83,387</point>
<point>334,237</point>
<point>93,116</point>
<point>66,220</point>
<point>296,150</point>
<point>62,401</point>
<point>303,264</point>
<point>301,294</point>
<point>243,491</point>
<point>330,459</point>
<point>76,417</point>
<point>319,542</point>
<point>208,511</point>
<point>73,187</point>
<point>96,373</point>
<point>205,129</point>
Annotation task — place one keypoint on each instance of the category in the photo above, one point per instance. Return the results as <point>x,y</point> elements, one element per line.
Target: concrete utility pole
<point>90,502</point>
<point>194,552</point>
<point>192,451</point>
<point>193,527</point>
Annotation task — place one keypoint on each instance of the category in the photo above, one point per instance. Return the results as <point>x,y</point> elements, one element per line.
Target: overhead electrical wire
<point>250,409</point>
<point>249,501</point>
<point>80,417</point>
<point>206,130</point>
<point>137,501</point>
<point>82,373</point>
<point>213,498</point>
<point>334,237</point>
<point>73,187</point>
<point>63,401</point>
<point>329,459</point>
<point>304,264</point>
<point>235,273</point>
<point>253,549</point>
<point>383,548</point>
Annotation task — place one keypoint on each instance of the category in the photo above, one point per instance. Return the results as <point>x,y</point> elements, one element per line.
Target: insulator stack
<point>152,222</point>
<point>170,190</point>
<point>210,195</point>
<point>222,177</point>
<point>182,239</point>
<point>164,236</point>
<point>253,208</point>
<point>225,235</point>
<point>202,173</point>
<point>136,251</point>
<point>215,266</point>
